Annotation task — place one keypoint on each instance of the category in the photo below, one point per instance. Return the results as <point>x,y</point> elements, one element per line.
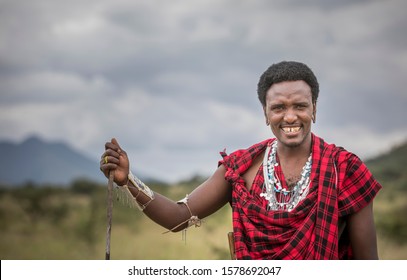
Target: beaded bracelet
<point>141,187</point>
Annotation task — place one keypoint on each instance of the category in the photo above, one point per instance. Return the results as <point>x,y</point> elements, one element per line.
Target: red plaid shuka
<point>341,185</point>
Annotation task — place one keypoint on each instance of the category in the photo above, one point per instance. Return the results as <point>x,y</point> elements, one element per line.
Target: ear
<point>265,116</point>
<point>314,112</point>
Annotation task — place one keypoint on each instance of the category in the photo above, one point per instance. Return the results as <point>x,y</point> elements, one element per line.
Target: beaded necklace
<point>280,198</point>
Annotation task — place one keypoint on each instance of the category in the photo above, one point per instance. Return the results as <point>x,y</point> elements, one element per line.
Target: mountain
<point>391,168</point>
<point>40,162</point>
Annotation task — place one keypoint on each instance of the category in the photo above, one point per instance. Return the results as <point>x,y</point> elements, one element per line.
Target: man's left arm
<point>362,233</point>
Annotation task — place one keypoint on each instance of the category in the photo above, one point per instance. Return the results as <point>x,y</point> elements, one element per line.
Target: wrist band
<point>141,187</point>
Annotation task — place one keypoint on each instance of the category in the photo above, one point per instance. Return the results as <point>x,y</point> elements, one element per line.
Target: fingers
<point>108,163</point>
<point>112,146</point>
<point>110,159</point>
<point>114,158</point>
<point>114,142</point>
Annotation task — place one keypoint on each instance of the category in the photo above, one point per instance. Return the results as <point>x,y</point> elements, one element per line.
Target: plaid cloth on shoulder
<point>341,184</point>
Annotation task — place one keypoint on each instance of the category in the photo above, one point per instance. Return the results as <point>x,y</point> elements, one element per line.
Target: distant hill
<point>391,168</point>
<point>40,162</point>
<point>390,206</point>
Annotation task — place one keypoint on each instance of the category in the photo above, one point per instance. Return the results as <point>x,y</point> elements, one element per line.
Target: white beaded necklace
<point>272,185</point>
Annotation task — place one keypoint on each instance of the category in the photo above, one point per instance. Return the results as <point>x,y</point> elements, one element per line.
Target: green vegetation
<point>51,222</point>
<point>391,203</point>
<point>45,222</point>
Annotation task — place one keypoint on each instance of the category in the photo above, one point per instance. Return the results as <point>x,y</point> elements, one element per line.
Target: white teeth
<point>291,129</point>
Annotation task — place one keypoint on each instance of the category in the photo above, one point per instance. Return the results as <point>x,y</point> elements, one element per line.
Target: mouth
<point>291,129</point>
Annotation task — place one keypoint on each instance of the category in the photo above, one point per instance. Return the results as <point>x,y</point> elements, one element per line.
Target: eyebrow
<point>302,103</point>
<point>294,103</point>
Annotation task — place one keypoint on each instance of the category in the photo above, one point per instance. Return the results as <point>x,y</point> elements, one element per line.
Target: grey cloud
<point>176,79</point>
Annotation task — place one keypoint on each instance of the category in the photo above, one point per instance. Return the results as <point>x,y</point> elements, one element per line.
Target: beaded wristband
<point>142,188</point>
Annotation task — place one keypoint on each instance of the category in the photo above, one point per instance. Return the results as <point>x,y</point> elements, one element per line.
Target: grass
<point>71,225</point>
<point>80,234</point>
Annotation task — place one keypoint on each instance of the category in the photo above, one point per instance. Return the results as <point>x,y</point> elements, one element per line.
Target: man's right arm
<point>206,199</point>
<point>203,201</point>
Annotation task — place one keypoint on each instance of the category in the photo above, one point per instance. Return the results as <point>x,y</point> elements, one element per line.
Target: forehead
<point>289,90</point>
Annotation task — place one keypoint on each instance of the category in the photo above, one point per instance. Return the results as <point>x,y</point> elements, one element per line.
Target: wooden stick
<point>109,213</point>
<point>231,240</point>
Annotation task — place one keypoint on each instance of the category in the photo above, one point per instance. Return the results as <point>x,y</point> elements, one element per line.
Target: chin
<point>293,142</point>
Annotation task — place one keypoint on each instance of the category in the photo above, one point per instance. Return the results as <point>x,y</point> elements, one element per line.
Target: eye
<point>277,108</point>
<point>301,106</point>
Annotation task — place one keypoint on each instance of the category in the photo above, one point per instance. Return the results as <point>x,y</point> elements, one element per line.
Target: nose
<point>290,116</point>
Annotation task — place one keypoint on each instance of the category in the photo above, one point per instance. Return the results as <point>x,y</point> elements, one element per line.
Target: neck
<point>297,152</point>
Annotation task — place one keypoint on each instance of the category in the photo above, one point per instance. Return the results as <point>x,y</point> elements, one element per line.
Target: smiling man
<point>292,197</point>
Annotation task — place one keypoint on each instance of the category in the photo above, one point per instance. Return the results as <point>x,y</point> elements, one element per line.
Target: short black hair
<point>287,71</point>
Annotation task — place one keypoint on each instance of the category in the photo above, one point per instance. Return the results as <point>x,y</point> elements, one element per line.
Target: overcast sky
<point>175,81</point>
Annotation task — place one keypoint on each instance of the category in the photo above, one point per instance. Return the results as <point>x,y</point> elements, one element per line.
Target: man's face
<point>290,111</point>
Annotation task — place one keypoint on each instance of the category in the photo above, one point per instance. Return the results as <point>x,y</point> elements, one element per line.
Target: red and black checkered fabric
<point>341,185</point>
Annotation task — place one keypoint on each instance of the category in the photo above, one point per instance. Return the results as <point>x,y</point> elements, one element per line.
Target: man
<point>292,197</point>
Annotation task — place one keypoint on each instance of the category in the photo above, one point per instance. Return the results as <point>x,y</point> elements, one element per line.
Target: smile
<point>291,129</point>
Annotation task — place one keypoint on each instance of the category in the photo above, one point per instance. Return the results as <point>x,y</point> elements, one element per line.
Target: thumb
<point>114,141</point>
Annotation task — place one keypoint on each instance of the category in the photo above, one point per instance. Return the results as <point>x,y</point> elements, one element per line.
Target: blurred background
<point>175,82</point>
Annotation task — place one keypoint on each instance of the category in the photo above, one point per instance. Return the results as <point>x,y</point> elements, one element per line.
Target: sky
<point>175,81</point>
